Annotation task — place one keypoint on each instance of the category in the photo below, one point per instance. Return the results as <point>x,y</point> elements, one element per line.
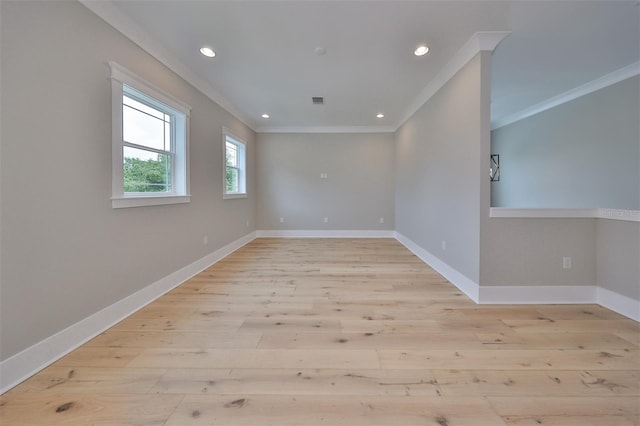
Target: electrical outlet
<point>444,245</point>
<point>566,263</point>
<point>282,220</point>
<point>247,224</point>
<point>326,220</point>
<point>382,220</point>
<point>205,240</point>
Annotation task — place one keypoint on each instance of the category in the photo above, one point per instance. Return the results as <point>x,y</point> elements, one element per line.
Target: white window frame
<point>241,144</point>
<point>121,80</point>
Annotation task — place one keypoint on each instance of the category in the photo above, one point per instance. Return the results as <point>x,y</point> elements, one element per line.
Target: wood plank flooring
<point>340,332</point>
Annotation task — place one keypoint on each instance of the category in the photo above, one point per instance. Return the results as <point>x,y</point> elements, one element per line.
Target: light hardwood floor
<point>340,332</point>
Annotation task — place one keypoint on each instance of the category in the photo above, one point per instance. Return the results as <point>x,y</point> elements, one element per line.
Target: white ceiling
<point>266,62</point>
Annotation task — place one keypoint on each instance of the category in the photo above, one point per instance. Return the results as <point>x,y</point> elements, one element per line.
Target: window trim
<point>146,100</point>
<point>121,77</point>
<point>242,168</point>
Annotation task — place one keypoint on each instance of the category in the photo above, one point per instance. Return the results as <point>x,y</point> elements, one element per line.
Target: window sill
<point>233,196</point>
<point>612,214</point>
<point>151,200</point>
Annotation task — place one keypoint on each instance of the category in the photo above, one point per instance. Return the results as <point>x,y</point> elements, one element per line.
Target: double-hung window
<point>235,174</point>
<point>150,143</point>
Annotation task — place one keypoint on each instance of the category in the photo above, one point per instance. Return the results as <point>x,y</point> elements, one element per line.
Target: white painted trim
<point>143,201</point>
<point>537,295</point>
<point>123,75</point>
<point>619,303</point>
<point>523,295</point>
<point>487,41</point>
<point>611,214</point>
<point>110,13</point>
<point>546,295</point>
<point>24,364</point>
<point>614,77</point>
<point>163,101</point>
<point>313,233</point>
<point>480,41</point>
<point>234,196</point>
<point>504,212</point>
<point>619,214</point>
<point>241,151</point>
<point>326,129</point>
<point>462,282</point>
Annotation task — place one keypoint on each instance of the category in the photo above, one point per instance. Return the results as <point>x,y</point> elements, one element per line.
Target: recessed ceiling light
<point>265,116</point>
<point>421,50</point>
<point>381,115</point>
<point>207,51</point>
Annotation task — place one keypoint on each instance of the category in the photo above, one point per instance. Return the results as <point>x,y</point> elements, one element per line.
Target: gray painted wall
<point>442,193</point>
<point>437,172</point>
<point>65,252</point>
<point>530,251</point>
<point>618,265</point>
<point>357,192</point>
<point>581,154</point>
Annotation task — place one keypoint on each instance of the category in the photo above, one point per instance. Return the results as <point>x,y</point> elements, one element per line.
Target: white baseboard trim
<point>527,295</point>
<point>561,294</point>
<point>24,364</point>
<point>537,295</point>
<point>619,303</point>
<point>462,282</point>
<point>314,233</point>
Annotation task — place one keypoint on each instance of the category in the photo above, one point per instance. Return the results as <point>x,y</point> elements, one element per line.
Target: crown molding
<point>479,42</point>
<point>614,77</point>
<point>326,129</point>
<point>132,30</point>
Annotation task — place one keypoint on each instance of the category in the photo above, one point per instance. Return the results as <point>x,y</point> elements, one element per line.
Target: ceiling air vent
<point>317,100</point>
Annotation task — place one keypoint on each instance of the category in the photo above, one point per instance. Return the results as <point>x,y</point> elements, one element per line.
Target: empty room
<point>343,213</point>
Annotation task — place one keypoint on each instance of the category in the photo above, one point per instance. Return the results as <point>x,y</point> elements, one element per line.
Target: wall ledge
<point>600,213</point>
